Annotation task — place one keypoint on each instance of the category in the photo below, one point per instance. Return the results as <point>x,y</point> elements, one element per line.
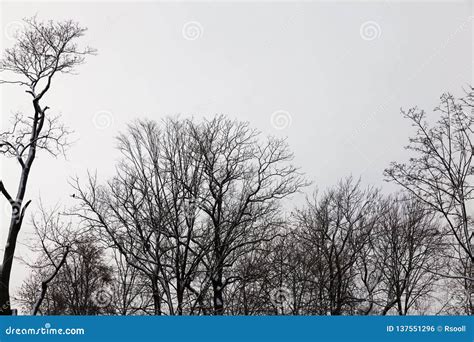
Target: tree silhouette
<point>41,51</point>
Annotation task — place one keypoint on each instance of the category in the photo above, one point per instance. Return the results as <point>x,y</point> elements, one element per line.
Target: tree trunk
<point>469,285</point>
<point>6,267</point>
<point>156,296</point>
<point>5,308</point>
<point>45,283</point>
<point>179,297</point>
<point>217,287</point>
<point>17,214</point>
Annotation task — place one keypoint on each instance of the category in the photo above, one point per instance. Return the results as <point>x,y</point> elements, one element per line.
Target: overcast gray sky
<point>330,76</point>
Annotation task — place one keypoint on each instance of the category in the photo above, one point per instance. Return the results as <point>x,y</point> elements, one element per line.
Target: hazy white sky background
<point>338,71</point>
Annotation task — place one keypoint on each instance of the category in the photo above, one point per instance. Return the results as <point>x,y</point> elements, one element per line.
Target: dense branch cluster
<point>439,174</point>
<point>42,50</point>
<point>194,223</point>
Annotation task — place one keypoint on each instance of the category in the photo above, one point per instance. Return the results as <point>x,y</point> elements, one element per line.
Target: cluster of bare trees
<point>197,219</point>
<point>189,201</point>
<point>194,223</point>
<point>347,251</point>
<point>69,268</point>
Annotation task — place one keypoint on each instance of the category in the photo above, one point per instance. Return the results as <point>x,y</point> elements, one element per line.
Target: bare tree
<point>255,276</point>
<point>130,292</point>
<point>336,228</point>
<point>41,51</point>
<point>288,275</point>
<point>148,213</point>
<point>190,199</point>
<point>81,286</point>
<point>54,240</point>
<point>439,174</point>
<point>245,178</point>
<point>408,250</point>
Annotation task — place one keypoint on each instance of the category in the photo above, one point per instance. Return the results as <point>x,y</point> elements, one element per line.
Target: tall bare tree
<point>41,51</point>
<point>190,199</point>
<point>147,210</point>
<point>439,173</point>
<point>245,179</point>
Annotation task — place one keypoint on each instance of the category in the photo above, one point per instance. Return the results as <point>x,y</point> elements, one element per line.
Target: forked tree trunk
<point>8,256</point>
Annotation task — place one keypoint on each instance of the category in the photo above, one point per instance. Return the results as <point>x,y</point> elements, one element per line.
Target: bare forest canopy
<point>194,223</point>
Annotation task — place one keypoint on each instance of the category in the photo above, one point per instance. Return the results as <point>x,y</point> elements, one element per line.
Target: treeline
<point>198,218</point>
<point>195,223</point>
